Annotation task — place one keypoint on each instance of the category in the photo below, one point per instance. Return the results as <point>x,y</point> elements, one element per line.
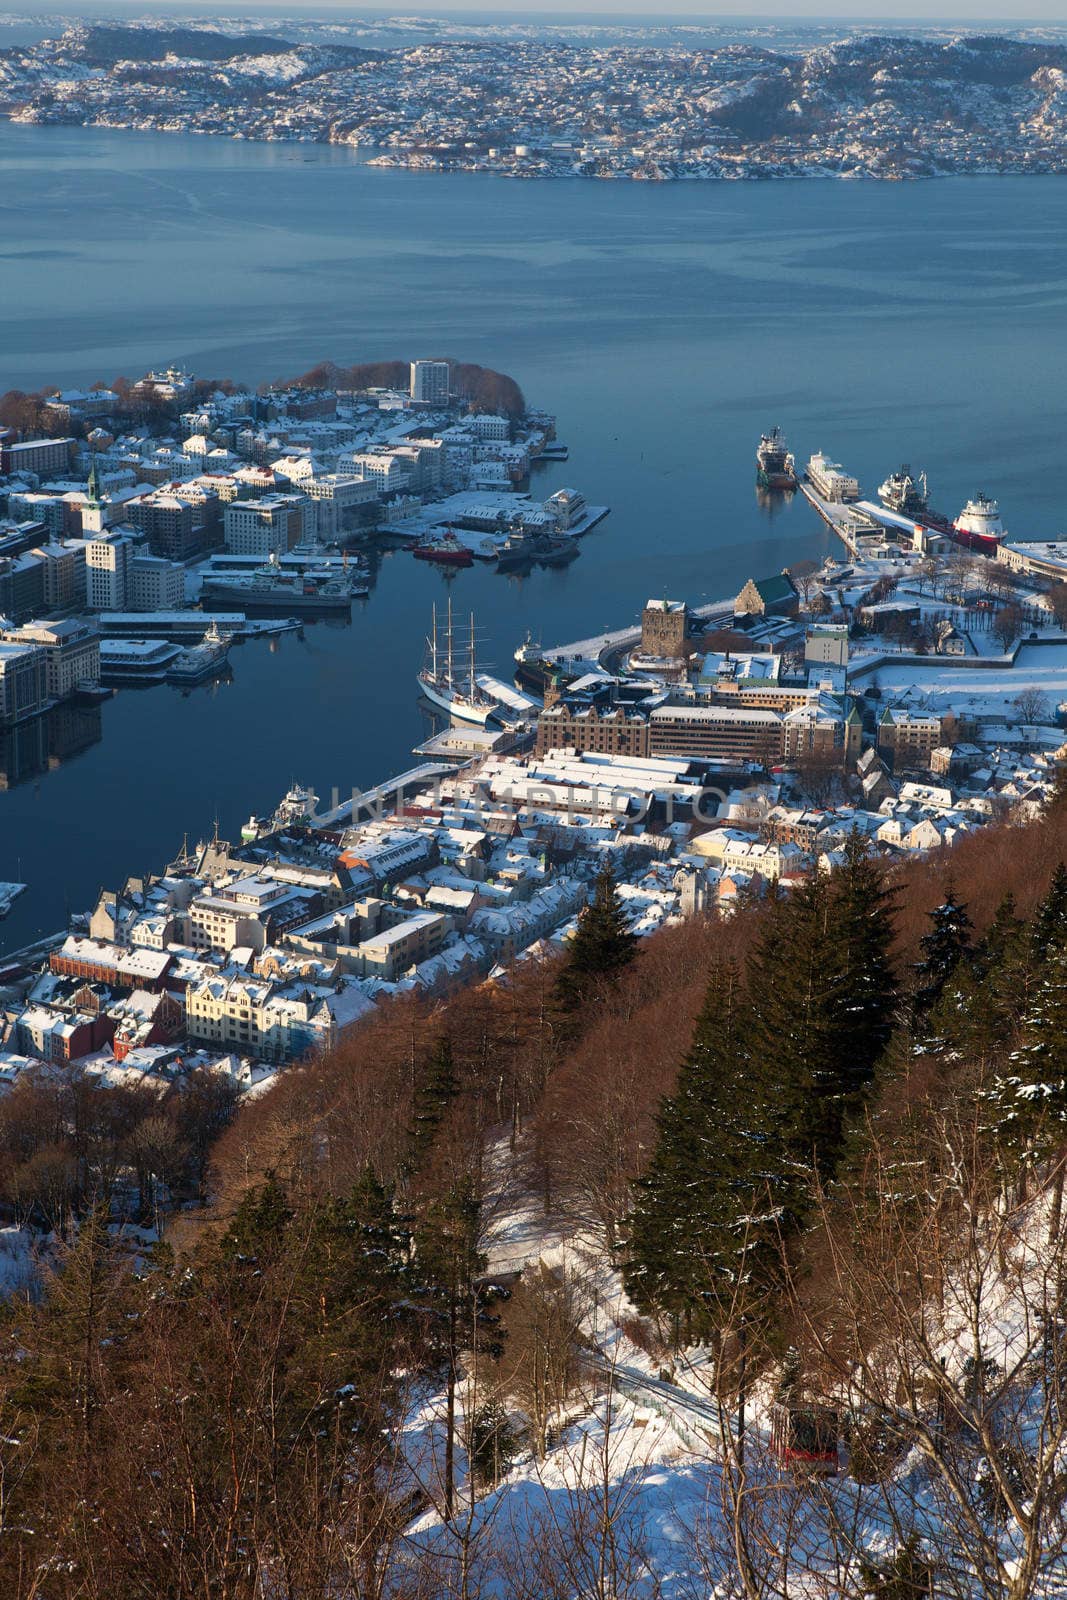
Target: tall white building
<point>430,382</point>
<point>266,527</point>
<point>107,562</point>
<point>336,494</point>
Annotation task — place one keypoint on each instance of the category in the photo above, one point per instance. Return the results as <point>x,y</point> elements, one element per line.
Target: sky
<point>860,13</point>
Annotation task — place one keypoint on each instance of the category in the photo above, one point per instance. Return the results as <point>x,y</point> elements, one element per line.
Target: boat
<point>978,525</point>
<point>830,480</point>
<point>904,492</point>
<point>446,551</point>
<point>269,587</point>
<point>775,467</point>
<point>525,547</point>
<point>200,660</point>
<point>457,693</point>
<point>309,558</point>
<point>9,893</point>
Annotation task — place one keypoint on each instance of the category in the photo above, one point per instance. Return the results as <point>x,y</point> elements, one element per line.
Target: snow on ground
<point>988,691</point>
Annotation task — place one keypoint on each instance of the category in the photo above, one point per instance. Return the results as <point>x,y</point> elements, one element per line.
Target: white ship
<point>200,660</point>
<point>980,518</point>
<point>830,480</point>
<point>456,692</point>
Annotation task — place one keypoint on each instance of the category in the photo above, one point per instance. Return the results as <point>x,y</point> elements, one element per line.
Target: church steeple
<point>94,483</point>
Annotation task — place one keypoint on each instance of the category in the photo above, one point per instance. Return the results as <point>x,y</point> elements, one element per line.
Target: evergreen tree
<point>943,948</point>
<point>1049,927</point>
<point>977,1014</point>
<point>863,994</point>
<point>1028,1101</point>
<point>438,1087</point>
<point>691,1237</point>
<point>602,946</point>
<point>796,1049</point>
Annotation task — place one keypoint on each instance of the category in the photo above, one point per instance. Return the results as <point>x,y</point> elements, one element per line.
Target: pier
<point>840,517</point>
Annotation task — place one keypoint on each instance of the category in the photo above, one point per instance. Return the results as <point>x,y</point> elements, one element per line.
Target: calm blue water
<point>666,325</point>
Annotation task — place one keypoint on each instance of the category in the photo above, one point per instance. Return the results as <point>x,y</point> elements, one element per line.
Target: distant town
<point>549,105</point>
<point>907,690</point>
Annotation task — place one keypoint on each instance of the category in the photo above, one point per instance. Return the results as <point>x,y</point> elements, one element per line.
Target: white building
<point>336,495</point>
<point>107,562</point>
<point>430,382</point>
<point>154,584</point>
<point>487,426</point>
<point>265,527</point>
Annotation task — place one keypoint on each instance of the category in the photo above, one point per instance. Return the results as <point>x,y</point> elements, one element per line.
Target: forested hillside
<point>547,1289</point>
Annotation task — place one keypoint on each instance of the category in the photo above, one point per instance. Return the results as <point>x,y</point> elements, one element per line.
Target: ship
<point>526,547</point>
<point>201,660</point>
<point>307,559</point>
<point>269,587</point>
<point>456,692</point>
<point>775,467</point>
<point>978,525</point>
<point>905,493</point>
<point>830,480</point>
<point>297,808</point>
<point>446,551</point>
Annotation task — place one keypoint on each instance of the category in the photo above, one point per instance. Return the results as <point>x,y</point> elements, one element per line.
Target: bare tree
<point>1030,704</point>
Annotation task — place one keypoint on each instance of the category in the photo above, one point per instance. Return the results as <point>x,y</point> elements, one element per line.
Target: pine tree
<point>864,991</point>
<point>943,948</point>
<point>691,1238</point>
<point>1049,927</point>
<point>1027,1103</point>
<point>796,1048</point>
<point>602,946</point>
<point>437,1089</point>
<point>977,1014</point>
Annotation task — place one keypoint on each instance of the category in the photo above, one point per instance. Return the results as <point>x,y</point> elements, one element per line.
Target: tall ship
<point>978,525</point>
<point>775,467</point>
<point>449,677</point>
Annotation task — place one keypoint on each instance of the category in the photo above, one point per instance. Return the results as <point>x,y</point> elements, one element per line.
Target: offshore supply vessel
<point>775,467</point>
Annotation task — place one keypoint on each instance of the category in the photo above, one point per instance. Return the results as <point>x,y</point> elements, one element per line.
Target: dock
<point>841,517</point>
<point>375,801</point>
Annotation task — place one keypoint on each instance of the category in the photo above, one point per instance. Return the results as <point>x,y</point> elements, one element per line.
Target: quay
<point>841,518</point>
<point>374,801</point>
<point>188,624</point>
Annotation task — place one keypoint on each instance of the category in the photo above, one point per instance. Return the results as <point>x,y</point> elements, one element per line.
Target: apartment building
<point>71,652</point>
<point>23,682</point>
<point>268,526</point>
<point>430,382</point>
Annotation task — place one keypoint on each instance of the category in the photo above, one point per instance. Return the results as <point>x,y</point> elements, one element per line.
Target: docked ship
<point>271,588</point>
<point>775,467</point>
<point>297,808</point>
<point>453,687</point>
<point>307,559</point>
<point>978,525</point>
<point>525,547</point>
<point>201,660</point>
<point>447,551</point>
<point>830,480</point>
<point>905,492</point>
